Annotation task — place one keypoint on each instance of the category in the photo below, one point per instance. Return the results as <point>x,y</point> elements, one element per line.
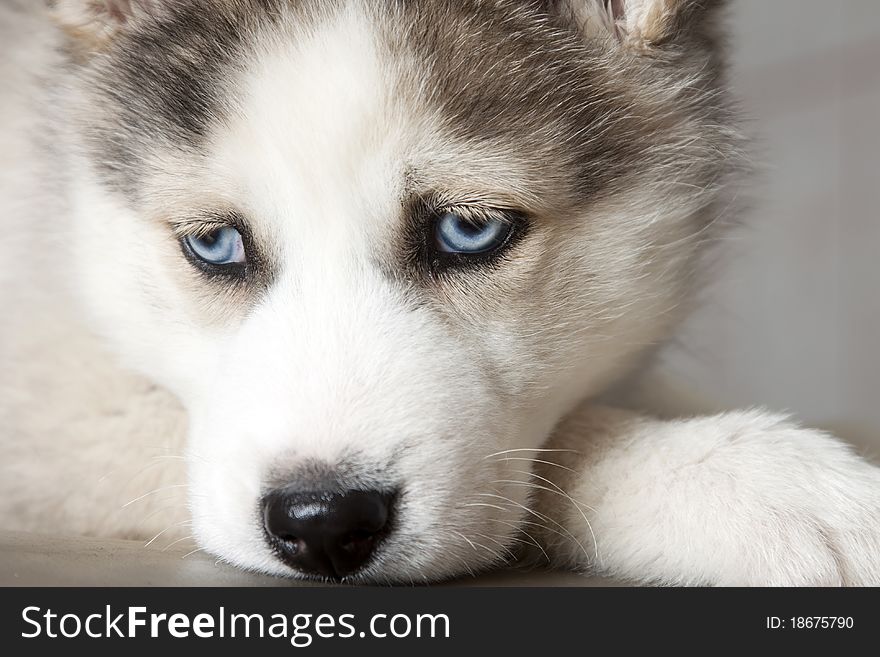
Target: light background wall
<point>793,322</point>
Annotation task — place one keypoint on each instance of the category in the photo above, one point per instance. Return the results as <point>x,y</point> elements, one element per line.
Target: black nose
<point>323,533</point>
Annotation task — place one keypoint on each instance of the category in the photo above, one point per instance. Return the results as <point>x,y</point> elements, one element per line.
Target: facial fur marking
<point>164,79</point>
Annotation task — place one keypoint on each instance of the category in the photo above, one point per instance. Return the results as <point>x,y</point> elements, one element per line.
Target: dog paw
<point>738,499</point>
<point>810,513</point>
<point>809,552</point>
<point>807,510</point>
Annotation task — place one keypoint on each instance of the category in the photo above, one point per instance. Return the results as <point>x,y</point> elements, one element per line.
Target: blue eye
<point>220,247</point>
<point>456,234</point>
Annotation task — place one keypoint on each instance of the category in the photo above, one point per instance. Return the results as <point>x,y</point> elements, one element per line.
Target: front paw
<point>737,499</point>
<point>812,511</point>
<point>808,551</point>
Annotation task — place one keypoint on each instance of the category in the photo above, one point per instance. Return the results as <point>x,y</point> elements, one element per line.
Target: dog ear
<point>93,23</point>
<point>641,24</point>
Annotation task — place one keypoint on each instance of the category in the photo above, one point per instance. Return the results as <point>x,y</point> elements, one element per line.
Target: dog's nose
<point>322,533</point>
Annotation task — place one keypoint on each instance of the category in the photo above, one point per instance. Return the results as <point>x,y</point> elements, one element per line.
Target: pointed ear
<point>92,23</point>
<point>642,24</point>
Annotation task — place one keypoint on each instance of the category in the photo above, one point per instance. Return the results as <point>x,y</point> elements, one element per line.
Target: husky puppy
<point>328,286</point>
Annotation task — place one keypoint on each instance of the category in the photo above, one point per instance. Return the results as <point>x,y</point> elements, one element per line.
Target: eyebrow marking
<point>202,223</point>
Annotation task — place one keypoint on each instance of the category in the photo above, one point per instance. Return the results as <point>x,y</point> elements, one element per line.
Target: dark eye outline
<point>233,270</point>
<point>438,261</point>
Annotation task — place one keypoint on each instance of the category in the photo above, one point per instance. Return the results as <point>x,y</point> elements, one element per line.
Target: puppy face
<point>386,248</point>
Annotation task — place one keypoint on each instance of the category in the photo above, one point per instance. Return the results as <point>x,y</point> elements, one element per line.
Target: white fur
<point>745,498</point>
<point>333,361</point>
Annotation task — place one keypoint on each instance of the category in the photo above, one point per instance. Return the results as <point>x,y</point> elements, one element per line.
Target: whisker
<point>555,491</point>
<point>495,555</point>
<point>557,488</point>
<point>522,458</point>
<point>465,565</point>
<point>117,470</point>
<point>558,491</point>
<point>539,525</point>
<point>168,528</point>
<point>535,544</point>
<point>532,540</point>
<point>156,512</point>
<point>468,541</point>
<point>528,449</point>
<point>500,544</point>
<point>179,540</point>
<point>541,517</point>
<point>193,552</point>
<point>185,455</point>
<point>153,492</point>
<point>491,506</point>
<point>459,558</point>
